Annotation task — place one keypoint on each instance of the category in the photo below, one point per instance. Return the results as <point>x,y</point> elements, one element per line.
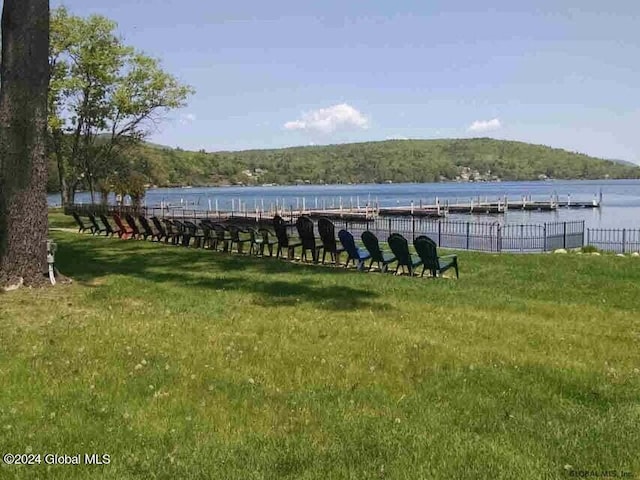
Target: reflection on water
<point>620,206</point>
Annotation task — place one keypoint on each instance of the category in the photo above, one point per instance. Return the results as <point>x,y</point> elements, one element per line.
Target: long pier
<point>484,207</point>
<point>370,211</point>
<point>476,206</point>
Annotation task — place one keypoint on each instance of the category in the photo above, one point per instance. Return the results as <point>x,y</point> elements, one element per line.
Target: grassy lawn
<point>183,363</point>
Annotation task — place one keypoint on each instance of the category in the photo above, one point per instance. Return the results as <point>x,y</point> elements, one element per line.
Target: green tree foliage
<point>103,97</point>
<point>373,162</point>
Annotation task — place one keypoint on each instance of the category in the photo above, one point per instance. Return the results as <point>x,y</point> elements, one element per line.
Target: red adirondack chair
<point>125,230</point>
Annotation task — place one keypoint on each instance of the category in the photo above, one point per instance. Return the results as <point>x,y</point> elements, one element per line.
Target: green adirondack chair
<point>382,259</point>
<point>428,252</point>
<point>400,248</point>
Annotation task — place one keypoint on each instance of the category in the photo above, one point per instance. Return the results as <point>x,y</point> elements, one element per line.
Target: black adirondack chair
<point>147,231</point>
<point>133,225</point>
<point>109,228</point>
<point>304,225</point>
<point>222,237</point>
<point>162,232</point>
<point>327,231</point>
<point>173,233</point>
<point>210,235</point>
<point>284,242</point>
<point>428,252</point>
<point>260,239</point>
<point>194,232</point>
<point>81,225</point>
<point>382,259</point>
<point>355,254</point>
<point>400,248</point>
<point>185,235</point>
<point>238,236</point>
<point>97,229</point>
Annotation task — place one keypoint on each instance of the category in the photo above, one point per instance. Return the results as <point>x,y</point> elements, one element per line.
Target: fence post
<point>521,237</point>
<point>413,226</point>
<point>583,233</point>
<point>564,235</point>
<point>439,233</point>
<point>499,238</point>
<point>389,226</point>
<point>468,228</point>
<point>624,240</point>
<point>588,239</point>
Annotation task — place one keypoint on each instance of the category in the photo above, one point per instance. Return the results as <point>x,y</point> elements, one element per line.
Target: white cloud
<point>397,137</point>
<point>330,119</point>
<point>485,125</point>
<point>187,118</point>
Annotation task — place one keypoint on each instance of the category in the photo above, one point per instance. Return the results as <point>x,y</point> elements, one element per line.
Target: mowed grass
<point>57,219</point>
<point>184,363</point>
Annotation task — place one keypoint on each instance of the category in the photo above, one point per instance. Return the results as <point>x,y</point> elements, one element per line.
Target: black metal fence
<point>620,240</point>
<point>486,237</point>
<point>480,236</point>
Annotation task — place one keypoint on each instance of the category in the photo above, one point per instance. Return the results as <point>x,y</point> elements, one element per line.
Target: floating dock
<point>438,209</point>
<point>480,207</point>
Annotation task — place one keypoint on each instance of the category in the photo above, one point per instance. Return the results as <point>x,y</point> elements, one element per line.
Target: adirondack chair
<point>125,231</point>
<point>172,231</point>
<point>97,229</point>
<point>382,259</point>
<point>109,228</point>
<point>284,242</point>
<point>146,231</point>
<point>222,236</point>
<point>355,254</point>
<point>327,231</point>
<point>260,239</point>
<point>194,232</point>
<point>400,249</point>
<point>161,231</point>
<point>208,234</point>
<point>304,225</point>
<point>236,238</point>
<point>185,235</point>
<point>134,227</point>
<point>81,226</point>
<point>428,252</point>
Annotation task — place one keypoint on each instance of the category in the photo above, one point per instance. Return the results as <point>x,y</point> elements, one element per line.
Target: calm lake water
<point>620,207</point>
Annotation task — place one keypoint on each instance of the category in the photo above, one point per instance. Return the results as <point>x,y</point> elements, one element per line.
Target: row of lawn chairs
<point>262,241</point>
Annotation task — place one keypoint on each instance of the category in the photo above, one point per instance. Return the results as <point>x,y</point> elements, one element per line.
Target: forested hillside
<point>377,162</point>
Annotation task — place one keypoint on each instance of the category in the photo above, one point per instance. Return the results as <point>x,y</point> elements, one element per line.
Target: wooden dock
<point>439,209</point>
<point>482,207</point>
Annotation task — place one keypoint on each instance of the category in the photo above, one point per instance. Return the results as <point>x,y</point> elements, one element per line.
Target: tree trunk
<point>71,193</point>
<point>64,190</point>
<point>24,79</point>
<point>57,142</point>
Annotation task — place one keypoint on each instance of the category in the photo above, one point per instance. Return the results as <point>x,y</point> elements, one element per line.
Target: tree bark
<point>24,75</point>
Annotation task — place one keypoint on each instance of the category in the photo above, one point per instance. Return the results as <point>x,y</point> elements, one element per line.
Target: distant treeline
<point>370,162</point>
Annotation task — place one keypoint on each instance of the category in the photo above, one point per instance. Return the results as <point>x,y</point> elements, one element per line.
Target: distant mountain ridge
<point>624,162</point>
<point>475,159</point>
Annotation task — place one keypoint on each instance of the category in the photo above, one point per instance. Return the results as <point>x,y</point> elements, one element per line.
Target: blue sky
<point>284,72</point>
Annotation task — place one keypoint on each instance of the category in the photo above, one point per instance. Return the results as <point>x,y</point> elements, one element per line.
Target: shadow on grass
<point>84,259</point>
